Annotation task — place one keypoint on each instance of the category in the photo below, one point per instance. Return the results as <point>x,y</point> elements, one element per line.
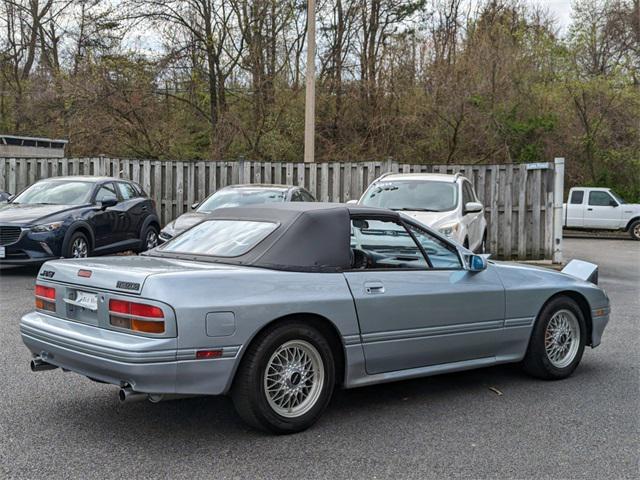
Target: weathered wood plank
<point>167,199</point>
<point>508,214</point>
<point>495,223</point>
<point>179,189</point>
<point>324,182</point>
<point>522,211</point>
<point>335,190</point>
<point>536,203</point>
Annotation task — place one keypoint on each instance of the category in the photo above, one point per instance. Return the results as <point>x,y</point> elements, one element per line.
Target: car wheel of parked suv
<point>149,239</point>
<point>286,379</point>
<point>634,230</point>
<point>78,246</point>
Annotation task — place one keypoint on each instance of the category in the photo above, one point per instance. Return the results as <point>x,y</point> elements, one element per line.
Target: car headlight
<point>449,230</point>
<point>167,232</point>
<point>46,227</point>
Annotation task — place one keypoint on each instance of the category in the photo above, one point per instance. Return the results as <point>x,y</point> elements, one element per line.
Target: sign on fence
<point>519,199</point>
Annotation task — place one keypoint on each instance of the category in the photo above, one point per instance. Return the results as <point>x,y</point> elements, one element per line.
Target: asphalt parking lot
<point>60,425</point>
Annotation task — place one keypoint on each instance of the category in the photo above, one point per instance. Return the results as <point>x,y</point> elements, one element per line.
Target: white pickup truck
<point>601,209</point>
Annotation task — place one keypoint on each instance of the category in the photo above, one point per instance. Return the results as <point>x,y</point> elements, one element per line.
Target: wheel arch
<point>322,323</point>
<point>82,227</point>
<point>630,222</point>
<point>150,220</point>
<point>583,304</point>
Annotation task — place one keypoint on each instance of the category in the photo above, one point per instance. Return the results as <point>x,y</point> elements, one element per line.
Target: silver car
<point>277,305</point>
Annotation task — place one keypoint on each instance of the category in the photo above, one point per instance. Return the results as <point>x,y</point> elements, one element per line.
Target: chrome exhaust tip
<point>39,365</point>
<point>127,395</point>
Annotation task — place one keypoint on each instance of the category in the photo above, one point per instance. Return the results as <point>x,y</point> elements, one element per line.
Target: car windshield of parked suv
<point>56,193</point>
<point>413,195</point>
<point>236,197</point>
<point>220,238</point>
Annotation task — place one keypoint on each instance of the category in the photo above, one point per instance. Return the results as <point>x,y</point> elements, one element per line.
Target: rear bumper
<point>148,365</point>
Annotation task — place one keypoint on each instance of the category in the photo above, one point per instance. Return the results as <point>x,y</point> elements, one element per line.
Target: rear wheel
<point>149,238</point>
<point>634,230</point>
<point>558,340</point>
<point>286,379</point>
<point>78,246</point>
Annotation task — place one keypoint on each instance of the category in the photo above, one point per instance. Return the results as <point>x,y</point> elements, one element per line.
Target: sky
<point>561,10</point>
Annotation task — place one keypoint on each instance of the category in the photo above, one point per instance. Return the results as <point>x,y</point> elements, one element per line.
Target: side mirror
<point>477,263</point>
<point>352,202</point>
<point>108,202</point>
<point>613,203</point>
<point>195,205</point>
<point>473,207</point>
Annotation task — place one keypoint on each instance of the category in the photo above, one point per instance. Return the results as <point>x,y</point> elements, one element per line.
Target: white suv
<point>447,203</point>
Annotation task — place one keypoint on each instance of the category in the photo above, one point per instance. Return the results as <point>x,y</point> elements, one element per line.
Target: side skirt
<point>357,377</point>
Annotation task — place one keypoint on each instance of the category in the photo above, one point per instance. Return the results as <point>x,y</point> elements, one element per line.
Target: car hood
<point>29,214</point>
<point>433,219</point>
<point>185,221</point>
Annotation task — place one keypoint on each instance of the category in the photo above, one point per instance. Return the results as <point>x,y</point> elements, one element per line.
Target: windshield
<point>220,238</point>
<point>413,195</point>
<point>617,197</point>
<point>56,193</point>
<point>236,197</point>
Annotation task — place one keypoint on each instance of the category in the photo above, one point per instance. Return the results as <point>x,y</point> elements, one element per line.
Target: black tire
<point>536,361</point>
<point>74,249</point>
<point>249,393</point>
<point>634,230</point>
<point>145,242</point>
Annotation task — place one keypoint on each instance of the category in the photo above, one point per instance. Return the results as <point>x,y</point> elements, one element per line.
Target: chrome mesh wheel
<point>294,378</point>
<point>562,338</point>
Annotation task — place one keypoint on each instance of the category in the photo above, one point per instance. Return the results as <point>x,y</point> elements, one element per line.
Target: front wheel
<point>634,230</point>
<point>78,246</point>
<point>286,379</point>
<point>557,342</point>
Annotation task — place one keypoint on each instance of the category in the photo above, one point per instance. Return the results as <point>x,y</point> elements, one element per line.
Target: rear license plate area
<point>82,305</point>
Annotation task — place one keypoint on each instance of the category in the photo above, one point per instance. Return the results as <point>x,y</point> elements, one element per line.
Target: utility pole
<point>310,96</point>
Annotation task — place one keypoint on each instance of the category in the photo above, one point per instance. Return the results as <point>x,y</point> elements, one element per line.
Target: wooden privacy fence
<point>519,199</point>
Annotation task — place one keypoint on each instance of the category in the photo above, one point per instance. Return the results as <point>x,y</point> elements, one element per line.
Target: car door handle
<point>373,287</point>
<point>590,209</point>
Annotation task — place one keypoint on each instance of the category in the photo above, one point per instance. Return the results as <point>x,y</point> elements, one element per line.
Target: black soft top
<point>310,237</point>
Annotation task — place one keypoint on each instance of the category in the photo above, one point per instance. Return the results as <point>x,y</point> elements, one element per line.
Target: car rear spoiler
<point>583,270</point>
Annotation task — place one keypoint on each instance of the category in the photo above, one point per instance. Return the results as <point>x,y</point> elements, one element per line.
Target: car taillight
<point>45,298</point>
<point>138,317</point>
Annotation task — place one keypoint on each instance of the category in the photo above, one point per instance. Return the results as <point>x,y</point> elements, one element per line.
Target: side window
<point>600,199</point>
<point>441,254</point>
<point>107,191</point>
<point>127,192</point>
<point>306,196</point>
<point>296,196</point>
<point>577,196</point>
<point>383,244</point>
<point>467,193</point>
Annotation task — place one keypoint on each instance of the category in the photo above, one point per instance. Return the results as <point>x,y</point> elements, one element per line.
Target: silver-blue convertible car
<point>277,305</point>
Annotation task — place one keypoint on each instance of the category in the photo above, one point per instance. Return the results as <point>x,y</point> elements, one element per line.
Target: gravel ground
<point>60,425</point>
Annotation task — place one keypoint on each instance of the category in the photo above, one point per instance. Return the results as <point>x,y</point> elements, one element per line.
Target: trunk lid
<point>125,274</point>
